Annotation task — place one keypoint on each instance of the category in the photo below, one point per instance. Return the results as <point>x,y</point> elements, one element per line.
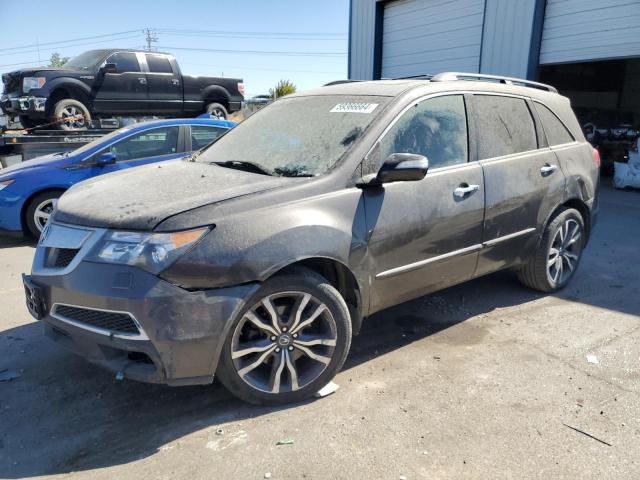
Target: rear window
<point>158,64</point>
<point>201,135</point>
<point>505,126</point>
<point>556,132</point>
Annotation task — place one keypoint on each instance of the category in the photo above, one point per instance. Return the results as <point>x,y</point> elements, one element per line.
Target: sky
<point>306,39</point>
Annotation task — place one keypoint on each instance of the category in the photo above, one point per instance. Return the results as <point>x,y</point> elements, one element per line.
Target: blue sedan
<point>29,191</point>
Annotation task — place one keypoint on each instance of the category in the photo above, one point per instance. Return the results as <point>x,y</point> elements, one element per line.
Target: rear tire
<point>38,211</point>
<point>287,357</point>
<point>71,115</point>
<point>558,254</point>
<point>217,110</point>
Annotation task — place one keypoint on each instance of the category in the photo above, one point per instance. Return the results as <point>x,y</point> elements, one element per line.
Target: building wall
<point>361,39</point>
<point>579,30</point>
<point>509,37</point>
<point>491,36</point>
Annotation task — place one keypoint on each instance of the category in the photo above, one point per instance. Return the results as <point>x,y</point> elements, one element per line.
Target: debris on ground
<point>587,434</point>
<point>120,376</point>
<point>8,375</point>
<point>267,475</point>
<point>220,431</point>
<point>592,359</point>
<point>328,389</point>
<point>286,441</point>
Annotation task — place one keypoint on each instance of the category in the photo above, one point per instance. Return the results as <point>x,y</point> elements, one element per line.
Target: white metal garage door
<point>579,30</point>
<point>430,36</point>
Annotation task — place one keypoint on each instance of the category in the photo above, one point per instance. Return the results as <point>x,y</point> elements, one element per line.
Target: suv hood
<point>141,198</point>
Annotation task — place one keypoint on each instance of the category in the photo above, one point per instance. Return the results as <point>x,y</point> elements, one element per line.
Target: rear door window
<point>504,125</point>
<point>125,62</point>
<point>152,143</point>
<point>556,132</point>
<point>158,64</point>
<point>202,135</point>
<point>435,128</point>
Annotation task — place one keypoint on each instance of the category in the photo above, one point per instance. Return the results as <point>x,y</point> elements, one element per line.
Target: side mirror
<point>110,68</point>
<point>403,167</point>
<point>105,159</point>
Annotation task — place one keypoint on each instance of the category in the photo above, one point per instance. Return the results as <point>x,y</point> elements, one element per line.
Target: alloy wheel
<point>43,211</point>
<point>564,252</point>
<point>73,117</point>
<point>284,342</point>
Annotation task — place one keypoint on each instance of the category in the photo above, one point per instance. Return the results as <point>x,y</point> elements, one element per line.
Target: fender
<point>68,83</point>
<point>215,92</point>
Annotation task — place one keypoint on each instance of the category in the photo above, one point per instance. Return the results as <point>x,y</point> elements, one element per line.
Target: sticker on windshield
<point>354,107</point>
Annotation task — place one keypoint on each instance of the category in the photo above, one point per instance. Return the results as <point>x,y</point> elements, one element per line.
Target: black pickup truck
<point>114,82</point>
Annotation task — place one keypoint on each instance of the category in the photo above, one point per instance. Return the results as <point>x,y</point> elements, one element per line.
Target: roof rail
<point>338,82</point>
<point>449,76</point>
<point>417,77</point>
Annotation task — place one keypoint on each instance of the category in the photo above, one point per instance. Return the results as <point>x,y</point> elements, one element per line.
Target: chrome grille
<point>111,321</point>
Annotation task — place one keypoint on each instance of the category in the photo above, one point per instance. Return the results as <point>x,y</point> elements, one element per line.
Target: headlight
<point>32,82</point>
<point>5,183</point>
<point>152,252</point>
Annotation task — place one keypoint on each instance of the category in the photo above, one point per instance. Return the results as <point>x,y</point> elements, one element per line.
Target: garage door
<point>431,36</point>
<point>579,30</point>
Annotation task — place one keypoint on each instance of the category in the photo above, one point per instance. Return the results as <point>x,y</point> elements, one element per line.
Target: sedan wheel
<point>42,213</point>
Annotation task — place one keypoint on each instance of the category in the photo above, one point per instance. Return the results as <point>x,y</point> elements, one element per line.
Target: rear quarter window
<point>504,125</point>
<point>554,129</point>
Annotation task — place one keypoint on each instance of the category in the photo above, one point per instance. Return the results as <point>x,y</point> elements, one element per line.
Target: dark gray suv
<point>257,259</point>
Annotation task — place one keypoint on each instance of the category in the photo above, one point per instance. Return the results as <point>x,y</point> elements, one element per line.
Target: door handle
<point>142,80</point>
<point>464,189</point>
<point>175,81</point>
<point>548,169</point>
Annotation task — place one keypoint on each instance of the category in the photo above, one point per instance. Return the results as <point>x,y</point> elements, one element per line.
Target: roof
<point>439,83</point>
<point>183,121</point>
<point>134,50</point>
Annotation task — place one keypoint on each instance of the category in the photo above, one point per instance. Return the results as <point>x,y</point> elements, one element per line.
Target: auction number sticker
<point>354,107</point>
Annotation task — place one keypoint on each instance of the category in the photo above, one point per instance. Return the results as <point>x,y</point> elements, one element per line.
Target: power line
<point>259,52</point>
<point>252,34</point>
<point>69,41</point>
<point>234,67</point>
<point>73,45</point>
<point>252,37</point>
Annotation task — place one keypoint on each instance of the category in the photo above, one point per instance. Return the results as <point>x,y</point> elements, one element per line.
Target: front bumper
<point>181,332</point>
<point>23,105</point>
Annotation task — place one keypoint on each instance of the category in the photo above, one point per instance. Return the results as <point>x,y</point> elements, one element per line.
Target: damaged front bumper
<point>130,321</point>
<point>22,105</point>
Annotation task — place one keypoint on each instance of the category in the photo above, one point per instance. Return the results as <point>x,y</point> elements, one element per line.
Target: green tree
<point>57,61</point>
<point>284,87</point>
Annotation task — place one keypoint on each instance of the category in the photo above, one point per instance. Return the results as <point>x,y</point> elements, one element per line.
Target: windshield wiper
<point>293,172</point>
<point>243,164</point>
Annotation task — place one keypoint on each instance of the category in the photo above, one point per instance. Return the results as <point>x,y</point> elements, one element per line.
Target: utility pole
<point>150,38</point>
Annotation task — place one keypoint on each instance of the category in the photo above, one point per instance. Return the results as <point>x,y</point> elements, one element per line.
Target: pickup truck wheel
<point>558,254</point>
<point>217,111</point>
<point>71,115</point>
<point>288,342</point>
<point>39,210</point>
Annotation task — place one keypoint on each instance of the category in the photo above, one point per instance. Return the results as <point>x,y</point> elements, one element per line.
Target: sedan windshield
<point>86,61</point>
<point>296,137</point>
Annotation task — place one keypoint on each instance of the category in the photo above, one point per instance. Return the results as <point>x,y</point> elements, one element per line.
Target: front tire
<point>288,342</point>
<point>558,255</point>
<point>71,115</point>
<point>39,210</point>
